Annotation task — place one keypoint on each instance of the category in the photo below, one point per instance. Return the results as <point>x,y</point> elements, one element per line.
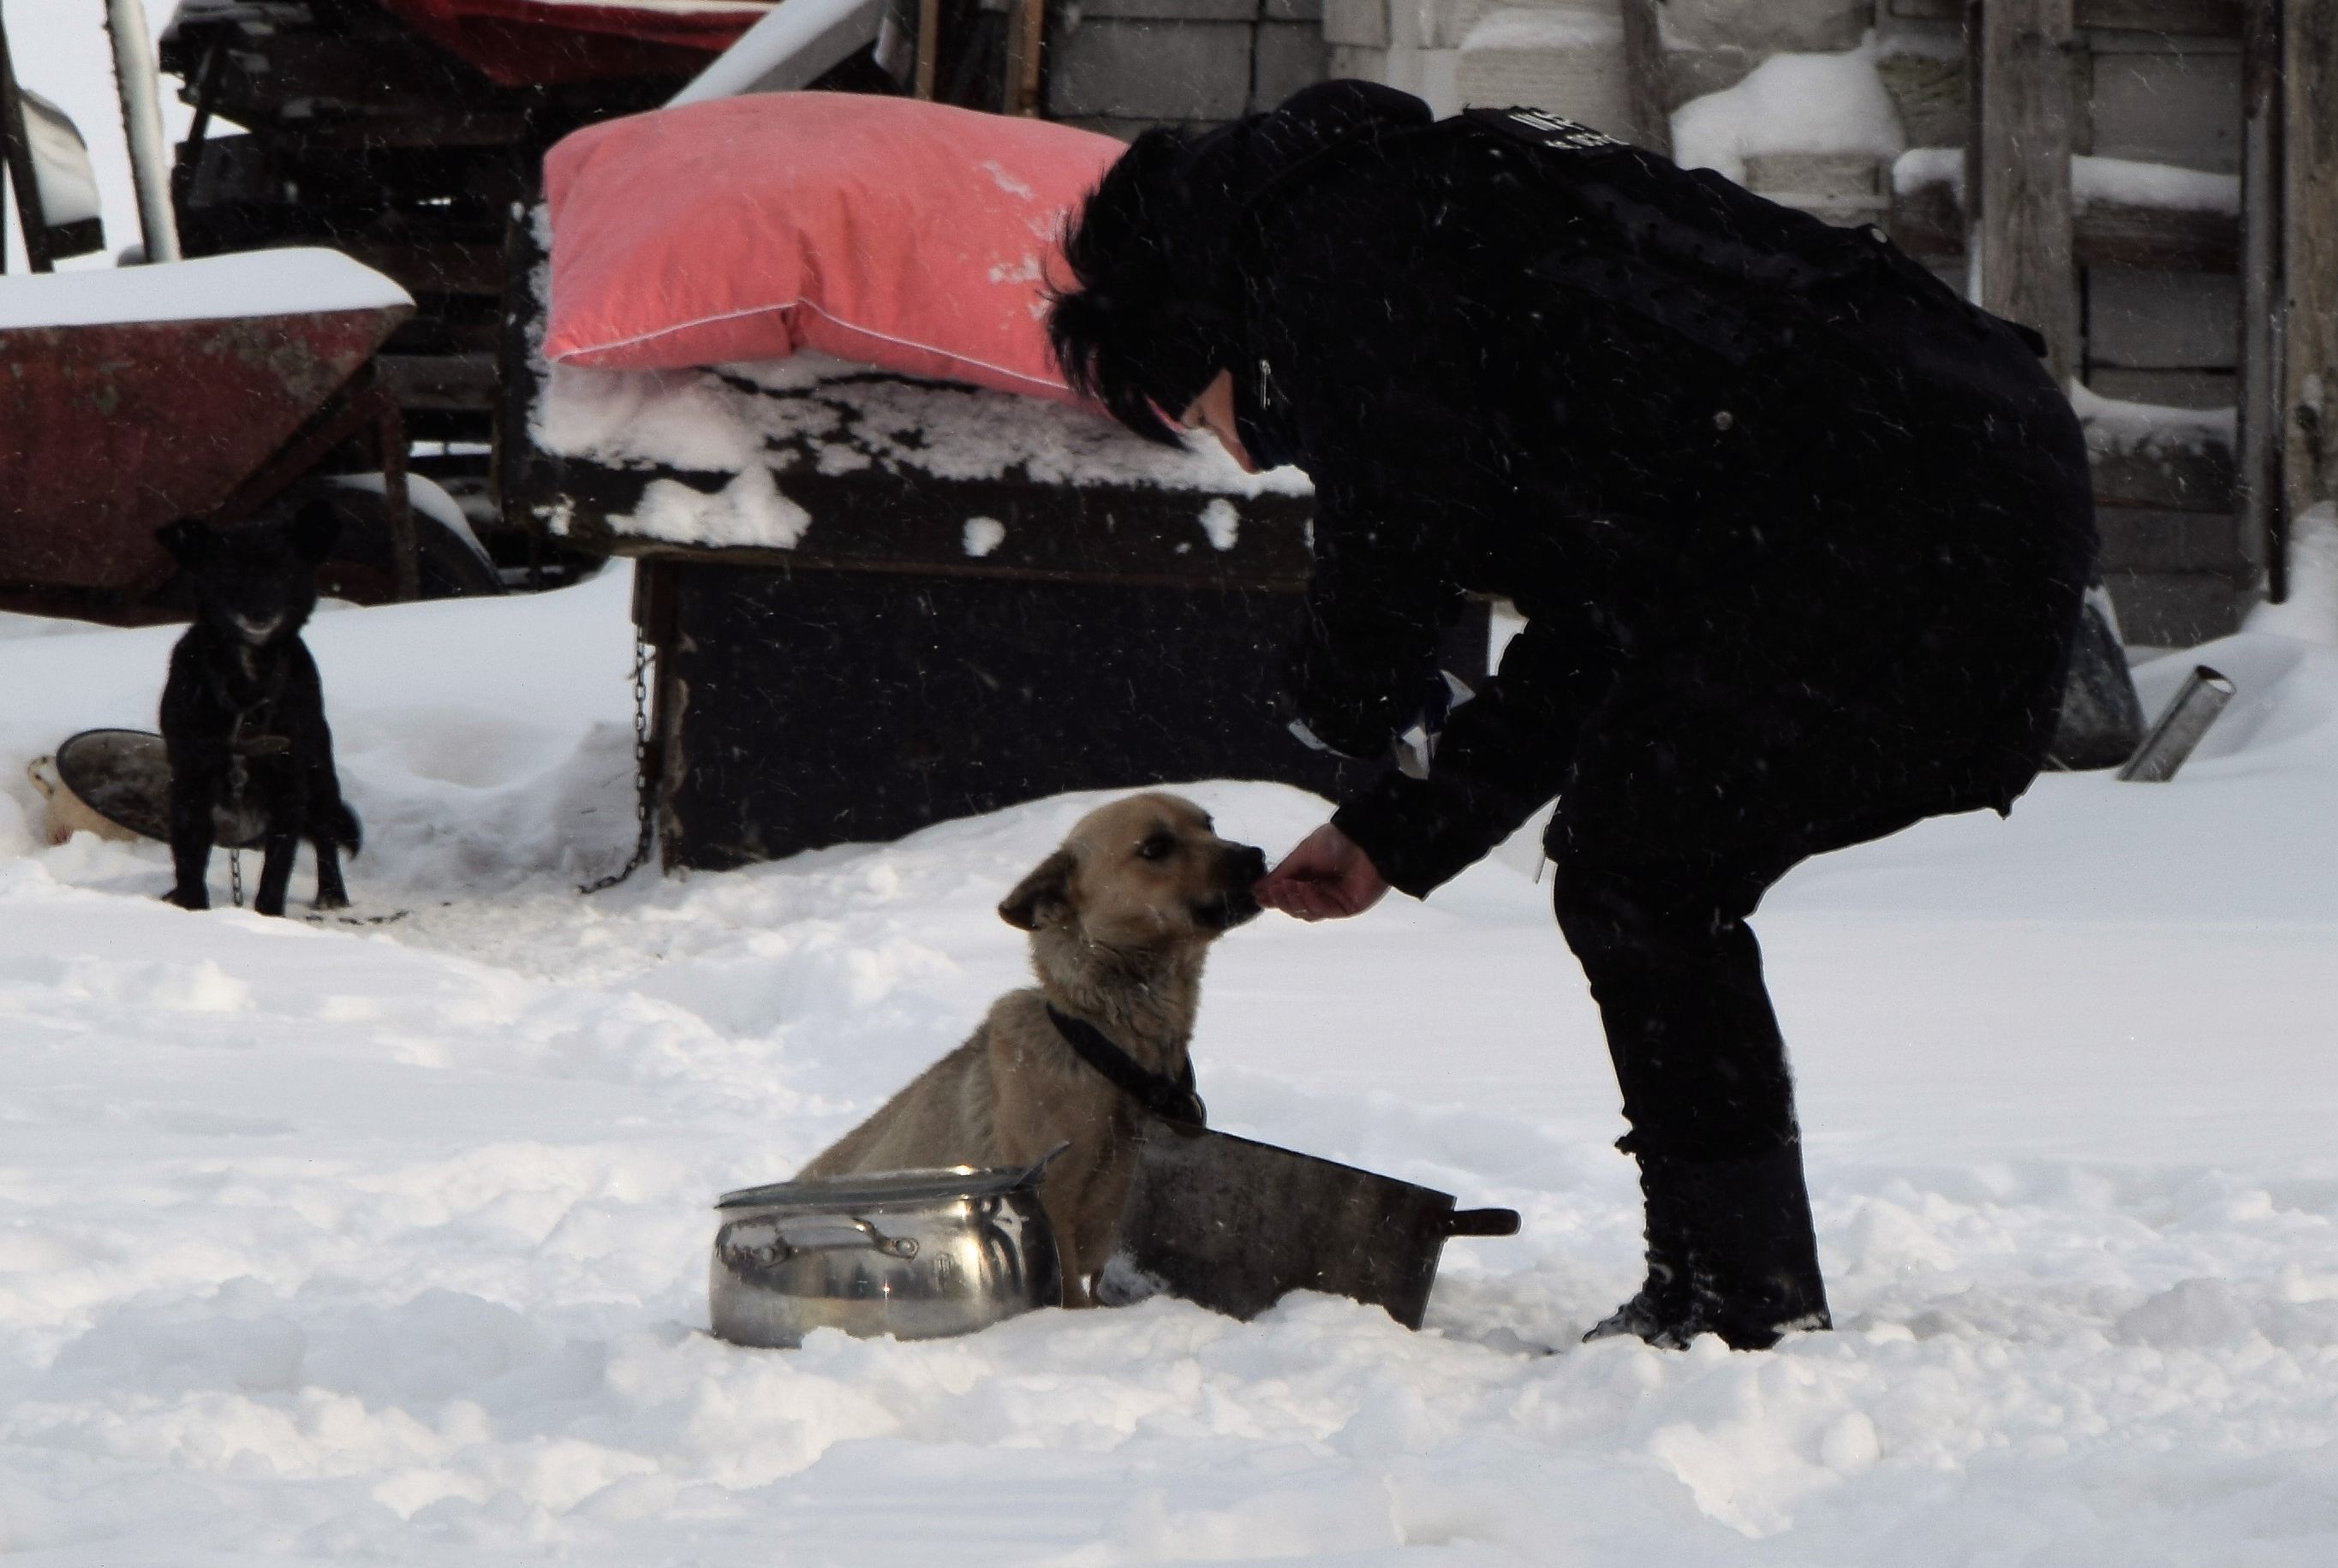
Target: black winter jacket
<point>1800,535</point>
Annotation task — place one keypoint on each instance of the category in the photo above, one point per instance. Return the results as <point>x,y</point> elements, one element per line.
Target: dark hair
<point>1130,331</point>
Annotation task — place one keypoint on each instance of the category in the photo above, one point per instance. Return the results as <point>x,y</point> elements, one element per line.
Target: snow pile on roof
<point>295,281</point>
<point>1790,103</point>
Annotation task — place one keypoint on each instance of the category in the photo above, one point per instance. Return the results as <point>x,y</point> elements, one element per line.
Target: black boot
<point>1739,1232</point>
<point>1753,1259</point>
<point>1659,1311</point>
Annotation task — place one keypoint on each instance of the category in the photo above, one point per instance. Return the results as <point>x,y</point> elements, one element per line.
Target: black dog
<point>243,713</point>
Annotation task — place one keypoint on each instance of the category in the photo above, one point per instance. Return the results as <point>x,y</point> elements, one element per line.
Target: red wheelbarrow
<point>142,394</point>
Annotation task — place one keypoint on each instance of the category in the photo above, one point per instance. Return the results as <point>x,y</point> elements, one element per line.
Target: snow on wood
<point>811,414</point>
<point>1790,103</point>
<point>289,282</point>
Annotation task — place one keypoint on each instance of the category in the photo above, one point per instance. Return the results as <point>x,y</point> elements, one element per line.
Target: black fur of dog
<point>243,713</point>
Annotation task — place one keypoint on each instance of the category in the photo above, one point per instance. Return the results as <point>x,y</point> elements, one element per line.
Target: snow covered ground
<point>388,1243</point>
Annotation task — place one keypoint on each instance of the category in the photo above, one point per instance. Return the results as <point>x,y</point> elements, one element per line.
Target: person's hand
<point>1326,877</point>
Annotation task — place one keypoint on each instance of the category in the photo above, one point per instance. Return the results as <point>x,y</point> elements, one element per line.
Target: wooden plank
<point>2198,18</point>
<point>889,521</point>
<point>929,36</point>
<point>1026,21</point>
<point>2200,390</point>
<point>2309,273</point>
<point>2165,478</point>
<point>2017,169</point>
<point>1649,87</point>
<point>2154,319</point>
<point>2142,539</point>
<point>1927,221</point>
<point>2263,505</point>
<point>421,266</point>
<point>440,381</point>
<point>2157,106</point>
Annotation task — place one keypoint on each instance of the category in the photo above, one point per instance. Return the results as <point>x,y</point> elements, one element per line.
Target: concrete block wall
<point>1121,65</point>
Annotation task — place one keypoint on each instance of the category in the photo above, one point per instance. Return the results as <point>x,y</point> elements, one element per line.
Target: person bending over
<point>1800,538</point>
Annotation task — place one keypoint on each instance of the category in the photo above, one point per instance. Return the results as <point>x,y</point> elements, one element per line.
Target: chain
<point>644,786</point>
<point>235,877</point>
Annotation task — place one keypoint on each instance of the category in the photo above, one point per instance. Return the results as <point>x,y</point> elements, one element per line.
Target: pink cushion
<point>908,235</point>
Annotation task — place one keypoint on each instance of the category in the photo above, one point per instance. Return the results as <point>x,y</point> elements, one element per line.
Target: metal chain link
<point>235,877</point>
<point>643,785</point>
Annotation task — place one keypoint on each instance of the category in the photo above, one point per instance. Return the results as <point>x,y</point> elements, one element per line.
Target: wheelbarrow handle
<point>1482,1222</point>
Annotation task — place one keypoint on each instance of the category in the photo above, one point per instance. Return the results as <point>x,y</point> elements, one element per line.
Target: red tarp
<point>530,43</point>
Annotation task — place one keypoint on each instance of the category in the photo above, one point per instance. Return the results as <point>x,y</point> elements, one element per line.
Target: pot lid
<point>882,1189</point>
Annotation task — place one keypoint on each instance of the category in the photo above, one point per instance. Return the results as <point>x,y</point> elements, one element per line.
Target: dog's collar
<point>1171,1098</point>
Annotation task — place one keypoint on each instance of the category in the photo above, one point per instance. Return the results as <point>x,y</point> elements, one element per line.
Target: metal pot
<point>115,783</point>
<point>914,1254</point>
<point>1233,1225</point>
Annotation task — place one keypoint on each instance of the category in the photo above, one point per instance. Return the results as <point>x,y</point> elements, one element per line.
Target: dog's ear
<point>188,540</point>
<point>1050,885</point>
<point>314,529</point>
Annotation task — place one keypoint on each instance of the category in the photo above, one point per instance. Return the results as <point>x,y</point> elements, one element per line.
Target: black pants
<point>1906,668</point>
<point>1677,975</point>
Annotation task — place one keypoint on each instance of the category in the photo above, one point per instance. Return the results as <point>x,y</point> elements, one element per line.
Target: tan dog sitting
<point>1120,919</point>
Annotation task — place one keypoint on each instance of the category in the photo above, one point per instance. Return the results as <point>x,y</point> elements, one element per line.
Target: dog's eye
<point>1159,847</point>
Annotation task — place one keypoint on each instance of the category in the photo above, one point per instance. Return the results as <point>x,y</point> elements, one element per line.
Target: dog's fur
<point>243,712</point>
<point>1120,919</point>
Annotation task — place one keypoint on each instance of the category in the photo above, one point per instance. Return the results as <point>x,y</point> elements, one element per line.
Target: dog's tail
<point>344,827</point>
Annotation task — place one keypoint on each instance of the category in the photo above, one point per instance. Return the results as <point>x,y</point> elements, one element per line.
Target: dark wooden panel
<point>802,709</point>
<point>2137,539</point>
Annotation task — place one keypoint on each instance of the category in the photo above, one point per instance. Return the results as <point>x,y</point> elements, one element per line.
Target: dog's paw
<point>197,898</point>
<point>326,902</point>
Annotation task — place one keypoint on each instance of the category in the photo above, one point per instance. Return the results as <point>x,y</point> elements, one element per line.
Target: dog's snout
<point>1247,862</point>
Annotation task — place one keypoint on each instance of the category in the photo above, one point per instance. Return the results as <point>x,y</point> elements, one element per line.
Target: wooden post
<point>2257,454</point>
<point>1026,21</point>
<point>2309,251</point>
<point>1650,86</point>
<point>2017,169</point>
<point>930,34</point>
<point>397,502</point>
<point>17,146</point>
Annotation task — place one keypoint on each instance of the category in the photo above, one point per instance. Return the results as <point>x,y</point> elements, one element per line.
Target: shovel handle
<point>1482,1222</point>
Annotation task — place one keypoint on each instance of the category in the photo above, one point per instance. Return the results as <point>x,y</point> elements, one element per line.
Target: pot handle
<point>37,770</point>
<point>1482,1222</point>
<point>1038,1168</point>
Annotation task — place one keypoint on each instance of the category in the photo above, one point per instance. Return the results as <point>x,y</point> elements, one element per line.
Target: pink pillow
<point>908,235</point>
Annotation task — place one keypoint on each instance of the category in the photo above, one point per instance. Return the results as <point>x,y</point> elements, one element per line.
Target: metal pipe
<point>139,81</point>
<point>2186,718</point>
